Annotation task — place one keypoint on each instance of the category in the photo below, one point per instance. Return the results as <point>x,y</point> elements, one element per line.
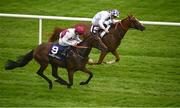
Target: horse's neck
<point>122,28</point>
<point>84,52</point>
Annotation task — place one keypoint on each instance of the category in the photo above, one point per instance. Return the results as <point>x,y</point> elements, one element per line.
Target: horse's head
<point>134,23</point>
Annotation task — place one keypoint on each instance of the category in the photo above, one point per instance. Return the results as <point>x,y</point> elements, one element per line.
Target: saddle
<point>97,30</point>
<point>59,52</point>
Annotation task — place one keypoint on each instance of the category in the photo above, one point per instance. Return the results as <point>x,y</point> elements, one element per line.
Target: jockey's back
<point>102,15</point>
<point>68,37</point>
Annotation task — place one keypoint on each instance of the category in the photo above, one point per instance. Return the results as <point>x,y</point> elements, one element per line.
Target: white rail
<point>74,19</point>
<point>160,23</point>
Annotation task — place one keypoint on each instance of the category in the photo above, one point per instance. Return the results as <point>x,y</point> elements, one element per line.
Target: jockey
<point>103,20</point>
<point>70,37</point>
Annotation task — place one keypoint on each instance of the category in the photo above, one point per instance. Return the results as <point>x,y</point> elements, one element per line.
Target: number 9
<point>54,49</point>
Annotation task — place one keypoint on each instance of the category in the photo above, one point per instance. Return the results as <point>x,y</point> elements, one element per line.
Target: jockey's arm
<point>114,21</point>
<point>101,24</point>
<point>66,40</point>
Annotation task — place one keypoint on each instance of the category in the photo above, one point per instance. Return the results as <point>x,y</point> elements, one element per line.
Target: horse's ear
<point>130,16</point>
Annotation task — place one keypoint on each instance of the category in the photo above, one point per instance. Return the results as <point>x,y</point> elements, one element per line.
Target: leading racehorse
<point>113,39</point>
<point>76,59</point>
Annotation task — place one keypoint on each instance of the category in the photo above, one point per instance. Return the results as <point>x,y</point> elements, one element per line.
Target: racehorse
<point>77,58</point>
<point>113,39</point>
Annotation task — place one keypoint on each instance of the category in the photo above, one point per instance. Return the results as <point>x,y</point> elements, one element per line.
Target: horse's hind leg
<point>101,58</point>
<point>116,54</point>
<point>90,76</point>
<point>55,74</point>
<point>40,73</point>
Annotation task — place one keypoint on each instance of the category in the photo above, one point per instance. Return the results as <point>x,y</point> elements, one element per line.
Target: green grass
<point>146,76</point>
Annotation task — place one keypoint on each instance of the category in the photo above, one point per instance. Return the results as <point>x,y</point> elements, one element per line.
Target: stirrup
<point>103,33</point>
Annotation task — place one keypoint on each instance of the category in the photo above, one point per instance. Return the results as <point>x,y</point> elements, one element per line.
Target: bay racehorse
<point>76,59</point>
<point>113,39</point>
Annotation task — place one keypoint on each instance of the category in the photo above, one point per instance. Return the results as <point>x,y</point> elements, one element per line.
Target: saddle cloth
<point>57,51</point>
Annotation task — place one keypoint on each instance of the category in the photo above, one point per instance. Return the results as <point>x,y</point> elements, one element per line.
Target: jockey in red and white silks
<point>103,20</point>
<point>70,37</point>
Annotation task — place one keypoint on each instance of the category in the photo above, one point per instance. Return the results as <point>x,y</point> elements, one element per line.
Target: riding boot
<point>103,33</point>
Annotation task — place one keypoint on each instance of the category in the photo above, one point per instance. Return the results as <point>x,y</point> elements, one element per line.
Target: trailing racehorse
<point>113,39</point>
<point>76,59</point>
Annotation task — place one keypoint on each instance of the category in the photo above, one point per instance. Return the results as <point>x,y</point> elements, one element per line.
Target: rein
<point>80,46</point>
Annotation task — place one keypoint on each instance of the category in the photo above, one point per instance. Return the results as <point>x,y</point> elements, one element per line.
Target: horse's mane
<point>55,34</point>
<point>120,22</point>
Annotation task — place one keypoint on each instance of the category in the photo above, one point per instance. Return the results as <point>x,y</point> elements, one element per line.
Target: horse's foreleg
<point>55,74</point>
<point>70,77</point>
<point>101,58</point>
<point>40,73</point>
<point>90,76</point>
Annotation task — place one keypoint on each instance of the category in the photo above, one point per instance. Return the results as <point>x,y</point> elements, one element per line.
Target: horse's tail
<point>55,34</point>
<point>20,62</point>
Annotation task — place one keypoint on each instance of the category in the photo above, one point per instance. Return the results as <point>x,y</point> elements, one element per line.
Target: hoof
<point>56,81</point>
<point>94,63</point>
<point>50,87</point>
<point>90,60</point>
<point>61,82</point>
<point>83,83</point>
<point>68,86</point>
<point>111,62</point>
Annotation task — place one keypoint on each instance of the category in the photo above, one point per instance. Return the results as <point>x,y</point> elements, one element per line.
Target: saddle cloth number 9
<point>54,49</point>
